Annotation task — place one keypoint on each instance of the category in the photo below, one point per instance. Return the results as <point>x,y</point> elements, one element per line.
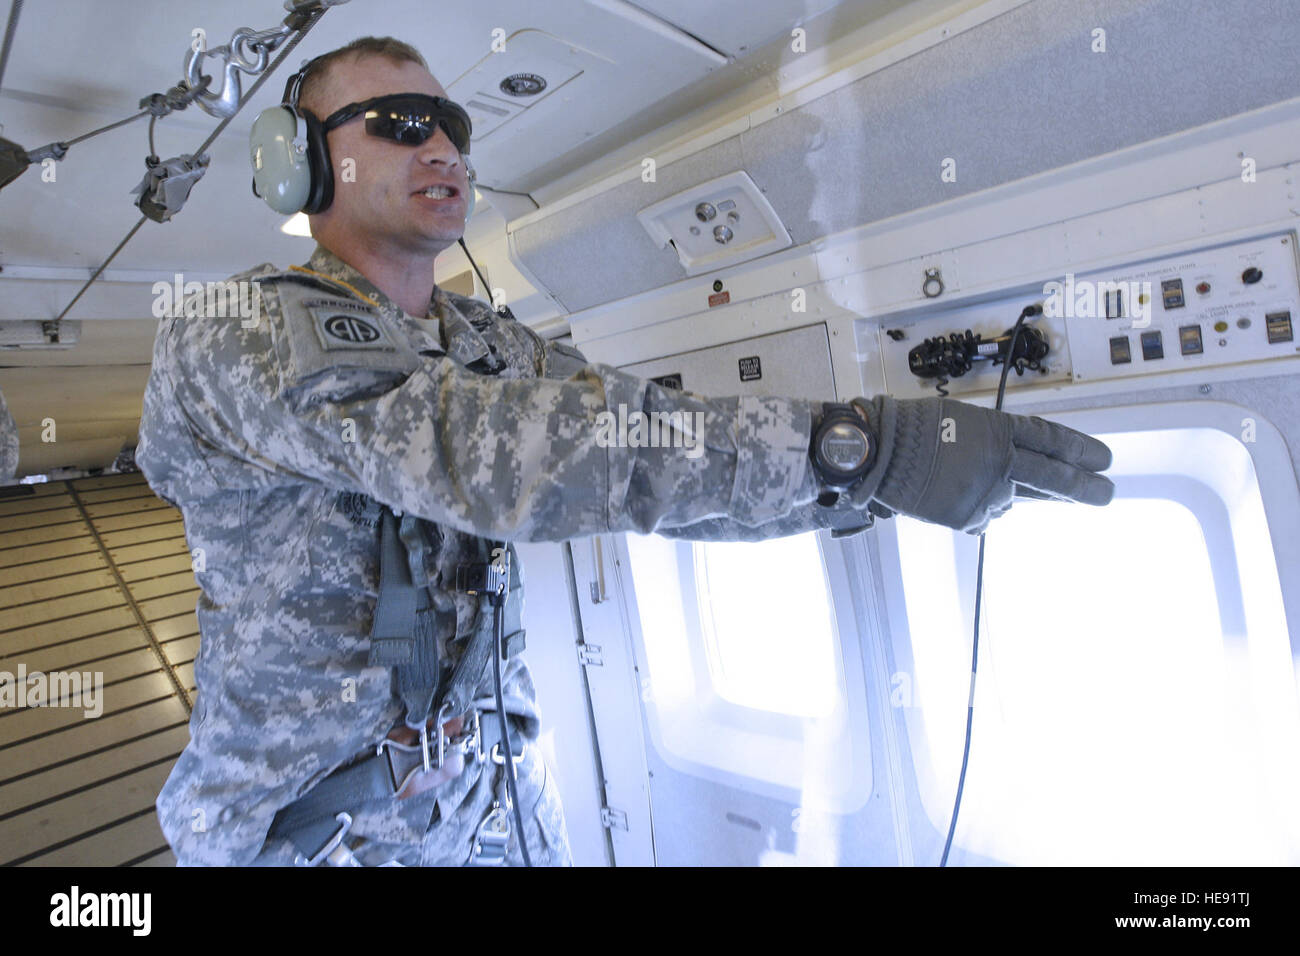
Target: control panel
<point>1217,306</point>
<point>1227,304</point>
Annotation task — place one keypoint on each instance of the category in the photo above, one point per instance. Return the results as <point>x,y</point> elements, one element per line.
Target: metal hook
<point>220,104</point>
<point>248,51</point>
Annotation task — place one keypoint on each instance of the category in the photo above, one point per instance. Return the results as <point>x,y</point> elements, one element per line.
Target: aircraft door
<point>741,709</point>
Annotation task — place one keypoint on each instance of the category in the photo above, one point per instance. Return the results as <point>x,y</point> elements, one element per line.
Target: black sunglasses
<point>408,118</point>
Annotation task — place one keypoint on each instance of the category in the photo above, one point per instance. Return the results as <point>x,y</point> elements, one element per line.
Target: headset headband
<point>293,87</point>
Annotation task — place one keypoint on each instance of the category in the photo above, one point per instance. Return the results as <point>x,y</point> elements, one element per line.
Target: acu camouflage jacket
<point>280,441</point>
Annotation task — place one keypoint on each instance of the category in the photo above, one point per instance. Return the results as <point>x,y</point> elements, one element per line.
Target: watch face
<point>844,447</point>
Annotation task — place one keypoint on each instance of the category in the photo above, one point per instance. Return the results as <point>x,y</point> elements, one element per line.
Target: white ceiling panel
<point>718,24</point>
<point>615,72</point>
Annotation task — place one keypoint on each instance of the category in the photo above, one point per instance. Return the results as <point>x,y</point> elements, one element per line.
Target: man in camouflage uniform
<point>286,446</point>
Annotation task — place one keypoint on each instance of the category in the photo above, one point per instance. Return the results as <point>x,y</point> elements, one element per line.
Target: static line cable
<point>103,266</point>
<point>103,129</point>
<point>15,8</point>
<point>198,158</point>
<point>155,105</point>
<point>979,594</point>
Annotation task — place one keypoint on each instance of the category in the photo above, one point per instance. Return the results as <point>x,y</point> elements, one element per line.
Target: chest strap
<point>404,631</point>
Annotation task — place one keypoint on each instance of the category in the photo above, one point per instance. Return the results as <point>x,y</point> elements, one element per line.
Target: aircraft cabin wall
<point>803,700</point>
<point>1131,166</point>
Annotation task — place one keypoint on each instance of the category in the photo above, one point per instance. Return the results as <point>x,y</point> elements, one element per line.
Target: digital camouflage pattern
<point>8,442</point>
<point>280,442</point>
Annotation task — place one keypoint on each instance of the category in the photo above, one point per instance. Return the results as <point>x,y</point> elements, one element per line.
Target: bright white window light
<point>297,225</point>
<point>744,680</point>
<point>767,624</point>
<point>1135,701</point>
<point>663,621</point>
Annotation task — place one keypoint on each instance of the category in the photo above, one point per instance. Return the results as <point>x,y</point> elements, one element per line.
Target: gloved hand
<point>959,465</point>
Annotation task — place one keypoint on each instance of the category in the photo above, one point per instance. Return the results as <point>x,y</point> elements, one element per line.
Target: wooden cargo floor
<point>94,578</point>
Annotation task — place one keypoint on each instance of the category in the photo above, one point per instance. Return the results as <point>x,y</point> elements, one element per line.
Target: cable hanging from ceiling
<point>167,183</point>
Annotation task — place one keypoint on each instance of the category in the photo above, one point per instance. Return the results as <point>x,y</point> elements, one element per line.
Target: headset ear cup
<point>321,193</point>
<point>281,175</point>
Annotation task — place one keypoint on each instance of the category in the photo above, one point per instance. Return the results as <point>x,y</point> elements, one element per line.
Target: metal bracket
<point>598,594</point>
<point>589,655</point>
<point>613,819</point>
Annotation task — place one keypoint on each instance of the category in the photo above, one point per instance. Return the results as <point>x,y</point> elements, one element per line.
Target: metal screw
<point>1204,390</point>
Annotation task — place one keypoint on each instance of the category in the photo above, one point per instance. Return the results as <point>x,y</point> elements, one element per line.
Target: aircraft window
<point>744,678</point>
<point>1136,701</point>
<point>766,621</point>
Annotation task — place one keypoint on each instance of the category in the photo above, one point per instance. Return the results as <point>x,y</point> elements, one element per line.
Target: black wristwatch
<point>843,449</point>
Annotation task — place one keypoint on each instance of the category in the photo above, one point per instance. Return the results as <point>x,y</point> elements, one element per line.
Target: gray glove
<point>959,465</point>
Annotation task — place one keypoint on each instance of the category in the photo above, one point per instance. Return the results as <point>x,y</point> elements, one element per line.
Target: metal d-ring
<point>932,280</point>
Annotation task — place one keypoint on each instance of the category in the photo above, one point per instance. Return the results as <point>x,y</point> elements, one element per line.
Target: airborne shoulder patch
<point>335,345</point>
<point>342,324</point>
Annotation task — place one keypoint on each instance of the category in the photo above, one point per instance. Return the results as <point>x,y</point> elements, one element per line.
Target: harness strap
<point>403,633</point>
<point>311,821</point>
<point>469,671</point>
<point>404,637</point>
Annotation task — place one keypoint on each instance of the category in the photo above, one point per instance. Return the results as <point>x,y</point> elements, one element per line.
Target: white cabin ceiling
<point>618,73</point>
<point>79,64</point>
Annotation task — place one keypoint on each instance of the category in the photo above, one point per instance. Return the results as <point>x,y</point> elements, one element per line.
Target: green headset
<point>292,170</point>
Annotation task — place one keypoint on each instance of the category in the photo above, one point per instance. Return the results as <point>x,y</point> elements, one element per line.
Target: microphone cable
<point>979,594</point>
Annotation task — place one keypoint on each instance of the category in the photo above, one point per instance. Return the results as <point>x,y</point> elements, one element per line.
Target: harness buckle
<point>491,838</point>
<point>334,851</point>
<point>424,746</point>
<point>499,758</point>
<point>441,720</point>
<point>406,760</point>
